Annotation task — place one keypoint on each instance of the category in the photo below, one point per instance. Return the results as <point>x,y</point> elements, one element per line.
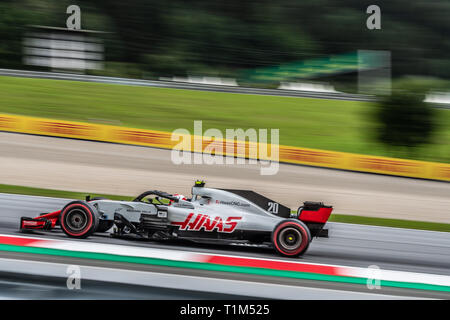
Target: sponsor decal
<point>444,172</point>
<point>355,162</point>
<point>162,214</point>
<point>197,222</point>
<point>308,156</point>
<point>63,128</point>
<point>387,165</point>
<point>141,211</point>
<point>183,205</point>
<point>8,123</point>
<point>142,137</point>
<point>233,203</point>
<point>32,223</point>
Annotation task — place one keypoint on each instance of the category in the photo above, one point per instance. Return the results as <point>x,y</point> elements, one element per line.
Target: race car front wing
<point>45,221</point>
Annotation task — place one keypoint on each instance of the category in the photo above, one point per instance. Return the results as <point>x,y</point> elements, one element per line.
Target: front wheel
<point>79,219</point>
<point>291,238</point>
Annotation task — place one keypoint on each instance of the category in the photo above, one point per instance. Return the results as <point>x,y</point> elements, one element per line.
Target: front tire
<point>291,238</point>
<point>79,219</point>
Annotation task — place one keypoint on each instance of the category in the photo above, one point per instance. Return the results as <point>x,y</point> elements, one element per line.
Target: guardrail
<point>433,98</point>
<point>184,85</point>
<point>166,140</point>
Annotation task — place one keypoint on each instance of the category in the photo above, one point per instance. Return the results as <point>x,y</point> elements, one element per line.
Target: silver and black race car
<point>221,216</point>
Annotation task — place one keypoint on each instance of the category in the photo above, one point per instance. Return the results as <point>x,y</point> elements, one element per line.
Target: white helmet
<point>179,197</point>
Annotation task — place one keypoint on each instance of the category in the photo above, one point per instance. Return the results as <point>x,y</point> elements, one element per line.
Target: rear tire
<point>79,219</point>
<point>291,238</point>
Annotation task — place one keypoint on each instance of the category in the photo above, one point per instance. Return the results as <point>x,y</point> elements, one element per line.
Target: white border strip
<point>178,255</point>
<point>184,282</point>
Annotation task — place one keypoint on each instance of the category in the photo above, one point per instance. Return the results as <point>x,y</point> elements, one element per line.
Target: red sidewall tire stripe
<point>90,222</point>
<point>305,238</point>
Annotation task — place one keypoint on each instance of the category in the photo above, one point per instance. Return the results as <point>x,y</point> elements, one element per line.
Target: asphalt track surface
<point>20,286</point>
<point>128,170</point>
<point>86,166</point>
<point>349,245</point>
<point>31,276</point>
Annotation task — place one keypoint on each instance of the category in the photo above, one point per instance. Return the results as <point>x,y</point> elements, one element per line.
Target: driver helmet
<point>179,197</point>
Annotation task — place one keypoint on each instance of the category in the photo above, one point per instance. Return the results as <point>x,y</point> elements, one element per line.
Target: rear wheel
<point>291,238</point>
<point>79,219</point>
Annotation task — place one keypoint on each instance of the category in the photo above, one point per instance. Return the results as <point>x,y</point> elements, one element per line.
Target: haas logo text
<point>198,222</point>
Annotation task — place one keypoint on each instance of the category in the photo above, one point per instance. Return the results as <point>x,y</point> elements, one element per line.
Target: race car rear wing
<point>315,212</point>
<point>315,215</point>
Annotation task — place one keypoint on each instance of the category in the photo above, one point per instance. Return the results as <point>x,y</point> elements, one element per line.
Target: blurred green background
<point>148,39</point>
<point>152,38</point>
<point>304,122</point>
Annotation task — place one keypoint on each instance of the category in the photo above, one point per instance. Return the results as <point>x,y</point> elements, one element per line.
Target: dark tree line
<point>224,37</point>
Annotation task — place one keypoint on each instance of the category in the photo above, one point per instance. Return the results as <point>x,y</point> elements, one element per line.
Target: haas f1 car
<point>220,216</point>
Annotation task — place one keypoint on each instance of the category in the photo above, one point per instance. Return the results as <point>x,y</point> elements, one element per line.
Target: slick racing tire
<point>291,238</point>
<point>79,219</point>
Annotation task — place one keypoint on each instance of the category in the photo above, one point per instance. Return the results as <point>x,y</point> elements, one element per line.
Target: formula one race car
<point>221,216</point>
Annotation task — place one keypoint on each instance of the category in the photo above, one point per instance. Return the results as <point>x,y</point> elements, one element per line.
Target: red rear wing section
<point>315,212</point>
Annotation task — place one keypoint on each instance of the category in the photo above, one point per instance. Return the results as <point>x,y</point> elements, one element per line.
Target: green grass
<point>312,123</point>
<point>55,193</point>
<point>409,224</point>
<point>397,223</point>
